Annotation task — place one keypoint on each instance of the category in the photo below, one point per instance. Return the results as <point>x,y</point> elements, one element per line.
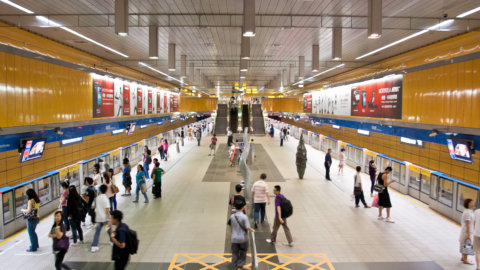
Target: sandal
<point>468,262</point>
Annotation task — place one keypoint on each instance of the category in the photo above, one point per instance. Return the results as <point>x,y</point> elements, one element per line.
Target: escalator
<point>258,123</point>
<point>221,120</point>
<point>233,118</point>
<point>245,117</point>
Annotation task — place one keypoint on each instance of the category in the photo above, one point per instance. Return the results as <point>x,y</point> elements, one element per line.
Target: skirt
<point>384,199</point>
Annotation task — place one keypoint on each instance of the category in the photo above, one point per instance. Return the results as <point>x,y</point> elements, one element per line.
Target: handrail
<point>253,248</point>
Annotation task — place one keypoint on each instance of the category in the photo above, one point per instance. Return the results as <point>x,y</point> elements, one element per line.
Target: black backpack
<point>148,160</point>
<point>132,242</point>
<point>286,208</point>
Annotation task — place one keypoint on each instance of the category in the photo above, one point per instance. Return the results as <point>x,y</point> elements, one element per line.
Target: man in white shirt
<point>102,215</point>
<point>260,197</point>
<point>358,189</point>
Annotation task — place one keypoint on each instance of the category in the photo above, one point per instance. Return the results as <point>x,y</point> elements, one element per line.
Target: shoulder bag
<point>62,243</point>
<point>467,247</point>
<point>240,224</point>
<point>357,191</point>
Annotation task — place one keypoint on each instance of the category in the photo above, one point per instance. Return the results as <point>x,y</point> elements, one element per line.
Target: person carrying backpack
<point>283,210</point>
<point>124,240</point>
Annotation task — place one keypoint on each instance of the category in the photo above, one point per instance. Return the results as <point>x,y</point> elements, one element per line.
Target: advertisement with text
<point>103,104</point>
<point>307,103</point>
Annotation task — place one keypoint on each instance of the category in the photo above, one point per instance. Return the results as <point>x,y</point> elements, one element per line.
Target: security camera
<point>434,133</point>
<point>445,15</point>
<point>58,131</point>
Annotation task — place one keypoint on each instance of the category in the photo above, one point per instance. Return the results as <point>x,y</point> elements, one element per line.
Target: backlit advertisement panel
<point>380,98</point>
<point>126,99</point>
<point>307,103</point>
<point>150,101</point>
<point>165,102</point>
<point>159,107</point>
<point>334,101</point>
<point>133,99</point>
<point>118,97</point>
<point>174,103</point>
<point>103,104</point>
<point>139,101</point>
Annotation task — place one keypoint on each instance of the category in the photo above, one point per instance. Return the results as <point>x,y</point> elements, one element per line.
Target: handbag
<point>115,189</point>
<point>143,187</point>
<point>467,248</point>
<point>31,215</point>
<point>62,243</point>
<point>375,201</point>
<point>379,188</point>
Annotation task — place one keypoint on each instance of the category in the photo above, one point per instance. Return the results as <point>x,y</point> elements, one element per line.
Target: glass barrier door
<point>445,192</point>
<point>21,198</point>
<point>8,207</point>
<point>414,182</point>
<point>425,185</point>
<point>398,172</point>
<point>74,176</point>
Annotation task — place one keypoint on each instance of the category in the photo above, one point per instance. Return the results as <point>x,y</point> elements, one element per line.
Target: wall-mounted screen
<point>460,150</point>
<point>130,128</point>
<point>31,148</point>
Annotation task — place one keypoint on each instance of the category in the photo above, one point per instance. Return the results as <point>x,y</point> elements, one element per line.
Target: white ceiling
<point>209,32</point>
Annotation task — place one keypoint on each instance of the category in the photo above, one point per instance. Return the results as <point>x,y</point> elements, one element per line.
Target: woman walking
<point>76,214</point>
<point>372,171</point>
<point>109,192</point>
<point>165,149</point>
<point>467,222</point>
<point>342,161</point>
<point>33,207</point>
<point>127,177</point>
<point>60,241</point>
<point>141,184</point>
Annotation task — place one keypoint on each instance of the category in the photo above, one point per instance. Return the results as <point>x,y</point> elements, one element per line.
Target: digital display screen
<point>130,128</point>
<point>32,149</point>
<point>459,150</point>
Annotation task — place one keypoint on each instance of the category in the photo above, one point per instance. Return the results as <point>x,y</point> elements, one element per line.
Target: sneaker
<point>145,201</point>
<point>135,201</point>
<point>356,206</point>
<point>389,220</point>
<point>94,249</point>
<point>380,218</point>
<point>73,244</point>
<point>366,206</point>
<point>288,244</point>
<point>270,242</point>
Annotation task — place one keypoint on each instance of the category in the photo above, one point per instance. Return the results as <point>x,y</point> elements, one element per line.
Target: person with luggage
<point>157,180</point>
<point>141,184</point>
<point>119,234</point>
<point>328,164</point>
<point>260,198</point>
<point>76,214</point>
<point>358,189</point>
<point>466,233</point>
<point>102,214</point>
<point>239,238</point>
<point>60,240</point>
<point>384,196</point>
<point>280,218</point>
<point>127,178</point>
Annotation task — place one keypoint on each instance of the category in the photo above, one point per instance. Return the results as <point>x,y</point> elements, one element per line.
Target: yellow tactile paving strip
<point>181,260</point>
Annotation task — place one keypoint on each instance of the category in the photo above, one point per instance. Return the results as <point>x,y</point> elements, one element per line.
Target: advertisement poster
<point>334,101</point>
<point>118,97</point>
<point>159,108</point>
<point>380,98</point>
<point>150,101</point>
<point>165,101</point>
<point>103,98</point>
<point>133,99</point>
<point>126,99</point>
<point>175,103</point>
<point>307,103</point>
<point>139,101</point>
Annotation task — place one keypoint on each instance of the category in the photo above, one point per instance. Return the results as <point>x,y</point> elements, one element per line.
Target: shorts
<point>476,244</point>
<point>212,146</point>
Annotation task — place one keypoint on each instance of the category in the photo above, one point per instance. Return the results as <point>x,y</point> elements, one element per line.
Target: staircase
<point>258,123</point>
<point>221,120</point>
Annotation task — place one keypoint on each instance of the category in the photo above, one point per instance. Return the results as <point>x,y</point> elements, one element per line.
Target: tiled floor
<point>192,215</point>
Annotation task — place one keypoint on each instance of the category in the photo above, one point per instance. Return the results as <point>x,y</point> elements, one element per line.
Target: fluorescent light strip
<point>465,14</point>
<point>55,24</point>
<point>73,140</point>
<point>26,10</point>
<point>158,71</point>
<point>363,132</point>
<point>438,25</point>
<point>335,127</point>
<point>318,74</point>
<point>117,131</point>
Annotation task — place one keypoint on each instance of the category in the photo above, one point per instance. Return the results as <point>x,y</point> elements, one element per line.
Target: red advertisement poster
<point>165,102</point>
<point>103,99</point>
<point>150,101</point>
<point>379,98</point>
<point>307,103</point>
<point>174,108</point>
<point>159,109</point>
<point>139,101</point>
<point>126,99</point>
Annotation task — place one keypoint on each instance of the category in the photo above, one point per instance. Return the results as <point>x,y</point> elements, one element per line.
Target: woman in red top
<point>213,145</point>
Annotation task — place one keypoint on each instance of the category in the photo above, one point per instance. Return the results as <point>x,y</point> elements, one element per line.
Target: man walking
<point>102,213</point>
<point>198,135</point>
<point>328,164</point>
<point>118,236</point>
<point>240,227</point>
<point>260,197</point>
<point>213,145</point>
<point>279,220</point>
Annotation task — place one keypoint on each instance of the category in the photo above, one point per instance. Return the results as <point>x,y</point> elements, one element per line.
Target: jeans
<point>146,168</point>
<point>59,265</point>
<point>65,217</point>
<point>31,226</point>
<point>360,198</point>
<point>259,207</point>
<point>198,140</point>
<point>114,201</point>
<point>162,154</point>
<point>76,227</point>
<point>137,190</point>
<point>98,230</point>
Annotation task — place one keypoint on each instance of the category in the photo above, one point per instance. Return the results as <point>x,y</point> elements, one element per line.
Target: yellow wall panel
<point>475,119</point>
<point>3,91</point>
<point>10,78</point>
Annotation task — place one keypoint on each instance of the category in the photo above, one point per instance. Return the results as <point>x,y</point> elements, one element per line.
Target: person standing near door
<point>328,164</point>
<point>32,211</point>
<point>384,196</point>
<point>372,171</point>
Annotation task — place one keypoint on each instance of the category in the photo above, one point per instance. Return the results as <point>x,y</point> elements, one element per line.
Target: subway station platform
<point>186,228</point>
